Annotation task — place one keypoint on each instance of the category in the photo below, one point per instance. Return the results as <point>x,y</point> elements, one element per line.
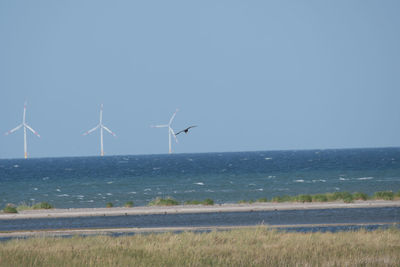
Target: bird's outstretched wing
<point>179,132</point>
<point>185,130</point>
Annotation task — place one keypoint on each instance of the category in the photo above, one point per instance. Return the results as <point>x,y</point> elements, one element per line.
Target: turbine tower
<point>170,131</point>
<point>26,126</point>
<point>101,126</point>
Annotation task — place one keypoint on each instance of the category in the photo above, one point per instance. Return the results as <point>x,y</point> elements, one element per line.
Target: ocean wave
<point>267,158</point>
<point>110,182</point>
<point>133,192</point>
<point>58,190</point>
<point>320,180</point>
<point>365,178</point>
<point>63,195</point>
<point>189,191</point>
<point>199,183</point>
<point>299,181</point>
<point>343,179</point>
<point>260,189</point>
<point>109,194</point>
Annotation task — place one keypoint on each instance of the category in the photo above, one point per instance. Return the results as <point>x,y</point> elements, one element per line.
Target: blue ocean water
<point>224,177</point>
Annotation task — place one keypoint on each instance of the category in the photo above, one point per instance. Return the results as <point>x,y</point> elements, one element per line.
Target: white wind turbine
<point>170,131</point>
<point>26,126</point>
<point>101,126</point>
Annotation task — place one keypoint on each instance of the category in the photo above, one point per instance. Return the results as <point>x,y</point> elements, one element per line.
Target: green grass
<point>284,198</point>
<point>304,198</point>
<point>319,198</point>
<point>207,201</point>
<point>163,202</point>
<point>385,195</point>
<point>360,196</point>
<point>109,205</point>
<point>42,205</point>
<point>263,199</point>
<point>128,204</point>
<point>257,246</point>
<point>10,208</point>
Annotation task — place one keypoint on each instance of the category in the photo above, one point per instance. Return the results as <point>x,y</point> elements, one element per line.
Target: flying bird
<point>186,130</point>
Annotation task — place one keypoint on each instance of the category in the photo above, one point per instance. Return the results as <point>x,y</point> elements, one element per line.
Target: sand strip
<point>87,212</point>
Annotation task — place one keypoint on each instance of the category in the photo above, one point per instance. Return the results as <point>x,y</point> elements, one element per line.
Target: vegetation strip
<point>259,246</point>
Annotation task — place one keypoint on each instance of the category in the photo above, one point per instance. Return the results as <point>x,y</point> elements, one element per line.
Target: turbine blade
<point>91,130</point>
<point>33,131</point>
<point>159,126</point>
<point>172,131</point>
<point>108,130</point>
<point>13,130</point>
<point>172,118</point>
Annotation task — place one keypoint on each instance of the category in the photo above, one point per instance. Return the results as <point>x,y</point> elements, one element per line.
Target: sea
<point>91,182</point>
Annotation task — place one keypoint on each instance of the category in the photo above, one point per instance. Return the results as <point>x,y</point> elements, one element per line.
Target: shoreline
<point>181,209</point>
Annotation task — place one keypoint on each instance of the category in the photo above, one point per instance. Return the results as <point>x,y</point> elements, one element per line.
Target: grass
<point>163,202</point>
<point>10,208</point>
<point>257,246</point>
<point>109,205</point>
<point>207,201</point>
<point>385,195</point>
<point>41,205</point>
<point>128,204</point>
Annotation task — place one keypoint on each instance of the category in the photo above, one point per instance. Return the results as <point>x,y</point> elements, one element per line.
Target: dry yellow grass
<point>244,247</point>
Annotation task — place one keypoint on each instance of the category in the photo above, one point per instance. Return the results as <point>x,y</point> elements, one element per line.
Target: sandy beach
<point>143,210</point>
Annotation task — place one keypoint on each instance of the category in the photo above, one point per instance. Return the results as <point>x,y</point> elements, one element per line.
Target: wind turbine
<point>26,126</point>
<point>101,126</point>
<point>170,131</point>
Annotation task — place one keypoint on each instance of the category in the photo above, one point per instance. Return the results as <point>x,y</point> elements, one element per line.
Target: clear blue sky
<point>254,75</point>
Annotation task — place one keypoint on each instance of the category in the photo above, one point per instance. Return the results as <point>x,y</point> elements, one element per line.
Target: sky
<point>253,75</point>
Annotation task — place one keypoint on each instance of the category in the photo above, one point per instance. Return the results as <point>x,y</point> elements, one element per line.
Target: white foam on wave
<point>299,181</point>
<point>45,178</point>
<point>16,166</point>
<point>267,158</point>
<point>156,168</point>
<point>189,191</point>
<point>147,189</point>
<point>320,180</point>
<point>260,189</point>
<point>271,176</point>
<point>343,179</point>
<point>109,194</point>
<point>252,184</point>
<point>133,192</point>
<point>80,196</point>
<point>63,195</point>
<point>365,178</point>
<point>209,190</point>
<point>35,188</point>
<point>199,183</point>
<point>58,190</point>
<point>110,182</point>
